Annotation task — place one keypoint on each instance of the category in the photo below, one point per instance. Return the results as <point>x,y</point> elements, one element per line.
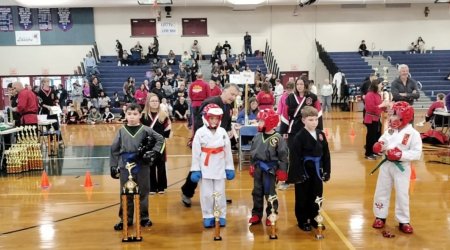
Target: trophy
<point>130,189</point>
<point>319,219</point>
<point>52,142</point>
<point>272,217</point>
<point>217,213</point>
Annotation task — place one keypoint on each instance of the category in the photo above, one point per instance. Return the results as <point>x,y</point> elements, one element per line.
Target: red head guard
<point>270,118</point>
<point>403,113</point>
<point>212,110</point>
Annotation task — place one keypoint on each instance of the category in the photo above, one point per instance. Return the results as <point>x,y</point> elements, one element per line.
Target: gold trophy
<point>217,214</point>
<point>319,219</point>
<point>272,217</point>
<point>130,189</point>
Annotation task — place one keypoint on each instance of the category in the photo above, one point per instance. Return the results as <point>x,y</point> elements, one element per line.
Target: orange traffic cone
<point>413,173</point>
<point>87,179</point>
<point>352,132</point>
<point>44,180</point>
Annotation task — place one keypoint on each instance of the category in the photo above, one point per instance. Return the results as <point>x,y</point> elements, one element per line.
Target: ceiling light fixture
<point>246,2</point>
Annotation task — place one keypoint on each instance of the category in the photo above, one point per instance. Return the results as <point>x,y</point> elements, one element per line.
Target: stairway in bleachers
<point>430,69</point>
<point>352,65</point>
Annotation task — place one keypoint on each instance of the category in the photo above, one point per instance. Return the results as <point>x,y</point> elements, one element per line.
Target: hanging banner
<point>45,19</point>
<point>25,18</point>
<point>167,28</point>
<point>6,19</point>
<point>29,37</point>
<point>64,19</point>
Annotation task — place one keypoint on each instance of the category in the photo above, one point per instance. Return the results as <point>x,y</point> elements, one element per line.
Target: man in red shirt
<point>198,92</point>
<point>214,89</point>
<point>27,105</point>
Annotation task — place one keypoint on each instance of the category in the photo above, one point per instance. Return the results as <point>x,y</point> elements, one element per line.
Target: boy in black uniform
<point>268,163</point>
<point>125,149</point>
<point>310,166</point>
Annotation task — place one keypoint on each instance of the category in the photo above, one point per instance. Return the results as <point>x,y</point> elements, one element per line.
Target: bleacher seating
<point>113,76</point>
<point>352,65</point>
<point>430,69</point>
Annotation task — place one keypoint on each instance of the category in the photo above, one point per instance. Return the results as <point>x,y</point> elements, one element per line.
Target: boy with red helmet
<point>269,160</point>
<point>401,144</point>
<point>212,162</point>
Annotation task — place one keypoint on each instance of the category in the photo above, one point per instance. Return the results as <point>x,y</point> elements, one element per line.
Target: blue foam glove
<point>229,174</point>
<point>196,176</point>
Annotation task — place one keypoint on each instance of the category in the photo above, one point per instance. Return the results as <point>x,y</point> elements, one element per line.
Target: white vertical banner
<point>29,37</point>
<point>167,28</point>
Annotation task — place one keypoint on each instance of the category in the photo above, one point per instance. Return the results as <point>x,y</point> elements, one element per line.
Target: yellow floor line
<point>337,230</point>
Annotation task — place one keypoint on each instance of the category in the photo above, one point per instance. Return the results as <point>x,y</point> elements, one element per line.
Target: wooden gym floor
<point>68,216</point>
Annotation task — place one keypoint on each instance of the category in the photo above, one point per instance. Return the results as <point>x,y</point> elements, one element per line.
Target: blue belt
<point>131,157</point>
<point>266,167</point>
<point>316,161</point>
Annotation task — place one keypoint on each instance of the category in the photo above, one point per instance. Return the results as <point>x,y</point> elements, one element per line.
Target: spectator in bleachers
<point>171,58</point>
<point>217,50</point>
<point>152,55</point>
<point>184,74</point>
<point>326,91</point>
<point>141,95</point>
<point>227,47</point>
<point>215,76</point>
<point>248,44</point>
<point>279,90</point>
<point>125,58</point>
<point>107,116</point>
<point>252,112</point>
<point>223,56</point>
<point>84,114</point>
<point>362,50</point>
<point>76,95</point>
<point>421,45</point>
<point>234,68</point>
<point>195,51</point>
<point>180,109</point>
<point>215,90</point>
<point>128,90</point>
<point>72,115</point>
<point>224,78</point>
<point>119,51</point>
<point>168,91</point>
<point>215,67</point>
<point>103,102</point>
<point>194,70</point>
<point>122,114</point>
<point>62,95</point>
<point>186,58</point>
<point>159,91</point>
<point>90,65</point>
<point>94,116</point>
<point>404,88</point>
<point>265,97</point>
<point>115,101</point>
<point>413,48</point>
<point>136,54</point>
<point>95,88</point>
<point>242,58</point>
<point>272,81</point>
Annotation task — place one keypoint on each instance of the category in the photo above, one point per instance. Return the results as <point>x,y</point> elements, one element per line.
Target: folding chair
<point>246,134</point>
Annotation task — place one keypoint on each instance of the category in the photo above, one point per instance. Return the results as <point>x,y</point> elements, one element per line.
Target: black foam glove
<point>151,156</point>
<point>325,177</point>
<point>115,172</point>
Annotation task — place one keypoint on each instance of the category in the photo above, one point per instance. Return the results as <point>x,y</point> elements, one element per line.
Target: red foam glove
<point>394,154</point>
<point>281,175</point>
<point>251,171</point>
<point>378,147</point>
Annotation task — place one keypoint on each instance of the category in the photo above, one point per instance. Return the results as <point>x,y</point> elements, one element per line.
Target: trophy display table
<point>3,133</point>
<point>24,155</point>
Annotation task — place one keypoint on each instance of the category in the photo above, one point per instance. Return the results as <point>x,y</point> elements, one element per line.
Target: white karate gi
<point>408,140</point>
<point>213,174</point>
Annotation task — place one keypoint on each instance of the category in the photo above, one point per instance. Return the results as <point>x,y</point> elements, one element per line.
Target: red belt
<point>210,151</point>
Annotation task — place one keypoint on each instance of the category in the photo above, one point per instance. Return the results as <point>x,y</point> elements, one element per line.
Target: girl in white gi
<point>401,144</point>
<point>212,162</point>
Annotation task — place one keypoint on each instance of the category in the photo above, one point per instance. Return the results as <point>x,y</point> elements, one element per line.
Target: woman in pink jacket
<point>141,95</point>
<point>374,107</point>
